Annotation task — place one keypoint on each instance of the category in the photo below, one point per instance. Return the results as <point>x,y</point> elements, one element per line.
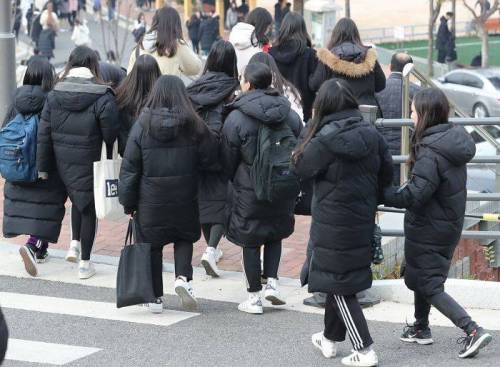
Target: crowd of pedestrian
<point>267,122</point>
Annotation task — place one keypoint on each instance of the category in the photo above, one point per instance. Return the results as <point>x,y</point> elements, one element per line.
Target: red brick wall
<point>479,268</point>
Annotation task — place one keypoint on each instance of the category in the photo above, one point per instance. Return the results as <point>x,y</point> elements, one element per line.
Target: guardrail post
<point>405,109</point>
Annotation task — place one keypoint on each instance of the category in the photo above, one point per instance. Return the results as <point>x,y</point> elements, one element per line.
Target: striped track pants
<point>343,314</point>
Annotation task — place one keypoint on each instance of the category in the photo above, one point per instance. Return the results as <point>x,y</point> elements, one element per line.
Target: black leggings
<point>183,256</point>
<point>212,234</point>
<point>447,306</point>
<point>251,264</point>
<point>84,228</point>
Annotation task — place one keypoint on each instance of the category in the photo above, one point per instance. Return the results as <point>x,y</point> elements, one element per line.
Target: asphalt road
<point>219,335</point>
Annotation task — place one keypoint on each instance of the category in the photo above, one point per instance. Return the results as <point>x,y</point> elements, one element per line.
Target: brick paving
<point>111,236</point>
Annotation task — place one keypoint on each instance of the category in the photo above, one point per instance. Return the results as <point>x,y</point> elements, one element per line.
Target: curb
<point>468,293</point>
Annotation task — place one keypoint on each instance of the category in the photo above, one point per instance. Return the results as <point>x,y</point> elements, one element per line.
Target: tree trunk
<point>298,6</point>
<point>347,8</point>
<point>430,36</point>
<point>485,47</point>
<point>454,19</point>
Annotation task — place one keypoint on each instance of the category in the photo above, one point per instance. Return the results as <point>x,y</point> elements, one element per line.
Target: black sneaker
<point>28,256</point>
<point>474,342</point>
<point>416,334</point>
<point>41,256</point>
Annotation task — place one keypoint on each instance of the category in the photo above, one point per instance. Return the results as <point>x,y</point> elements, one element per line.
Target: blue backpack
<point>18,149</point>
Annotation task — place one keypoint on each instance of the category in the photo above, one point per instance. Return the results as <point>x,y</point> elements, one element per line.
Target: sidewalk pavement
<point>111,237</point>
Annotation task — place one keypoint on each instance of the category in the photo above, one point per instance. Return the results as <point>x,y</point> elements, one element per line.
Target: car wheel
<point>480,111</point>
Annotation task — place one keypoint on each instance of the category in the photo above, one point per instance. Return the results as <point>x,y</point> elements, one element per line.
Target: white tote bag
<point>106,173</point>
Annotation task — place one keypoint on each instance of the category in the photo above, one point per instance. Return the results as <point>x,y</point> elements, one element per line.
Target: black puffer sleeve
<point>131,169</point>
<point>231,145</point>
<point>379,78</point>
<point>208,148</point>
<point>45,159</point>
<point>108,117</point>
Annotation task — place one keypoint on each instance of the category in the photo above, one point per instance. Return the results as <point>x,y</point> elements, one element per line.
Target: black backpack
<point>271,175</point>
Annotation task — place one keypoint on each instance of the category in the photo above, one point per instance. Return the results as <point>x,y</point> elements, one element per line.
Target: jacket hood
<point>452,142</point>
<point>164,124</point>
<point>348,136</point>
<point>286,53</point>
<point>267,106</point>
<point>211,89</point>
<point>241,36</point>
<point>78,91</point>
<point>29,99</point>
<point>349,59</point>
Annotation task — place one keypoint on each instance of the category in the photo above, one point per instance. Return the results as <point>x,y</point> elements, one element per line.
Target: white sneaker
<point>368,359</point>
<point>252,305</point>
<point>184,290</point>
<point>272,294</point>
<point>73,254</point>
<point>209,262</point>
<point>218,255</point>
<point>327,347</point>
<point>86,269</point>
<point>156,307</point>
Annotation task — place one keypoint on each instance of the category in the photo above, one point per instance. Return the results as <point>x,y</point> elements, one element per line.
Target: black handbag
<point>134,282</point>
<point>304,200</point>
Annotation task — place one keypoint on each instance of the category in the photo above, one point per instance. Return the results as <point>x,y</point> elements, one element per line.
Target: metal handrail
<point>462,121</point>
<point>488,159</point>
<point>482,235</point>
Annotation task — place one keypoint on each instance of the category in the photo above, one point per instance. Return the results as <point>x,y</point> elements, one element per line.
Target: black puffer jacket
<point>209,94</point>
<point>127,120</point>
<point>78,116</point>
<point>389,101</point>
<point>252,222</point>
<point>33,208</point>
<point>297,68</point>
<point>356,65</point>
<point>208,32</point>
<point>351,164</point>
<point>435,197</point>
<point>165,191</point>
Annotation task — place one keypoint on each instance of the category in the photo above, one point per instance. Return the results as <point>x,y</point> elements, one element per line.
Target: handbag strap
<point>129,236</point>
<point>104,151</point>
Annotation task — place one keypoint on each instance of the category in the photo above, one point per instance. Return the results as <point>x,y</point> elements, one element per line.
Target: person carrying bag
<point>134,283</point>
<point>106,173</point>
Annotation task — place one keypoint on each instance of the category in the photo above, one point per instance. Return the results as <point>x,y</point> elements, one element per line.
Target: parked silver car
<point>474,91</point>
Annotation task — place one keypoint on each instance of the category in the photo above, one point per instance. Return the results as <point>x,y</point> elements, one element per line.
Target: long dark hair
<point>261,19</point>
<point>432,109</point>
<point>279,82</point>
<point>169,92</point>
<point>168,28</point>
<point>345,31</point>
<point>83,57</point>
<point>133,92</point>
<point>222,58</point>
<point>334,96</point>
<point>40,72</point>
<point>293,28</point>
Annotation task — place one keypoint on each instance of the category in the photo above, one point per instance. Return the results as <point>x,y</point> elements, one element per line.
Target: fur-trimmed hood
<point>357,68</point>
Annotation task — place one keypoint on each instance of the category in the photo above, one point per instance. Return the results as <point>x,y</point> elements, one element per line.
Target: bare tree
<point>347,8</point>
<point>434,10</point>
<point>115,32</point>
<point>480,23</point>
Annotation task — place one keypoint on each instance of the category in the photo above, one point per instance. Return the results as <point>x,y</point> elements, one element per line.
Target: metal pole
<point>7,58</point>
<point>405,130</point>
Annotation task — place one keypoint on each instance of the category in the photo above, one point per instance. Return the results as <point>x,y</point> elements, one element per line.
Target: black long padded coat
<point>78,116</point>
<point>297,67</point>
<point>33,208</point>
<point>209,94</point>
<point>251,222</point>
<point>350,163</point>
<point>435,197</point>
<point>159,176</point>
<point>356,65</point>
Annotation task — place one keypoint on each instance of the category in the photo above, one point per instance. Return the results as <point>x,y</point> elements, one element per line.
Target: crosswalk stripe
<point>97,310</point>
<point>47,353</point>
